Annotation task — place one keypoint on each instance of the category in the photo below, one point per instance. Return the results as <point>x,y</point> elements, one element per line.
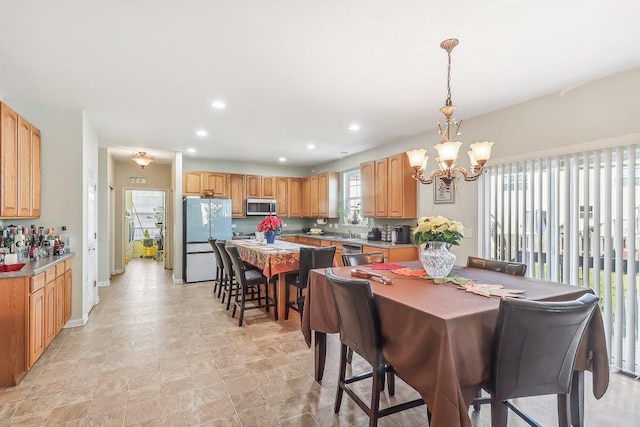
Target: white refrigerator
<point>204,219</point>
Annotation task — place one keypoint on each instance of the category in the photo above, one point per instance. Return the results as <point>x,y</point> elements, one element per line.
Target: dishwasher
<point>351,248</point>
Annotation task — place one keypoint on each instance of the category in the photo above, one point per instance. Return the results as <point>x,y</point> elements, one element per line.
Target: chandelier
<point>448,148</point>
<point>142,159</point>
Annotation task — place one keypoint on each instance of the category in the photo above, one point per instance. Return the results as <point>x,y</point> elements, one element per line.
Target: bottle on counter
<point>64,240</point>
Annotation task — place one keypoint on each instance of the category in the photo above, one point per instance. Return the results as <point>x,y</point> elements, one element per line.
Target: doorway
<point>144,224</point>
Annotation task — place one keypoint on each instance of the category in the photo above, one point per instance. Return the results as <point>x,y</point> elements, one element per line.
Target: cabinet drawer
<point>37,282</point>
<point>60,269</point>
<point>67,265</point>
<point>50,275</point>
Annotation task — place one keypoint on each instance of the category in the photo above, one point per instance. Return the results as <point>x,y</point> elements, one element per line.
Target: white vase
<point>437,260</point>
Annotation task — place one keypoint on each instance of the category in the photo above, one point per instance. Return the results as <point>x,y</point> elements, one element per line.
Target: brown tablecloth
<point>439,338</point>
<point>272,259</point>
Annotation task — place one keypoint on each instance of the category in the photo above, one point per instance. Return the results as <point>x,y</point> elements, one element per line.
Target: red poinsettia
<point>270,223</point>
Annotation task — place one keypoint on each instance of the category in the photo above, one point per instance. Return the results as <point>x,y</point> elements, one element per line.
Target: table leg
<point>319,353</point>
<point>577,399</point>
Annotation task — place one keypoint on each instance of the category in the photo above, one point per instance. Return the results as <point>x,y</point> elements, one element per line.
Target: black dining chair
<point>362,258</point>
<point>250,282</point>
<point>217,282</point>
<point>360,331</point>
<point>534,350</point>
<point>228,287</point>
<point>507,267</point>
<point>310,258</point>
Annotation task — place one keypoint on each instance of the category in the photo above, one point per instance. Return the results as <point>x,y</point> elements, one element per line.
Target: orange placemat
<point>384,266</point>
<point>410,272</point>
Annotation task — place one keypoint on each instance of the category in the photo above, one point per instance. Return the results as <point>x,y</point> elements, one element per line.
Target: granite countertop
<point>344,239</point>
<point>31,268</point>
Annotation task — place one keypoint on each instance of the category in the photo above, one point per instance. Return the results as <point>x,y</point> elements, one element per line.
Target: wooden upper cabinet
<point>269,187</point>
<point>313,196</point>
<point>381,182</point>
<point>216,182</point>
<point>368,180</point>
<point>402,188</point>
<point>253,187</point>
<point>236,190</point>
<point>8,162</point>
<point>282,196</point>
<point>306,197</point>
<point>191,183</point>
<point>24,167</point>
<point>36,192</point>
<point>295,197</point>
<point>328,194</point>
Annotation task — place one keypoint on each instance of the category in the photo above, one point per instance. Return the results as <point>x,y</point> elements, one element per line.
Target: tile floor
<point>155,353</point>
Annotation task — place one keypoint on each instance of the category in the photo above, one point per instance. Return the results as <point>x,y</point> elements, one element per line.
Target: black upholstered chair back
<point>238,266</point>
<point>216,253</point>
<point>357,314</point>
<point>535,346</point>
<point>226,261</point>
<point>362,258</point>
<point>513,268</point>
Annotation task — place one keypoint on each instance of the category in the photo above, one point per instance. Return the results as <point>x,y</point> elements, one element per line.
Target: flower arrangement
<point>270,223</point>
<point>438,229</point>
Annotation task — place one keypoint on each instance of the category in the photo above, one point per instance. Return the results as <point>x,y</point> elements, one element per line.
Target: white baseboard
<point>177,281</point>
<point>74,323</point>
<point>104,284</point>
<point>120,271</point>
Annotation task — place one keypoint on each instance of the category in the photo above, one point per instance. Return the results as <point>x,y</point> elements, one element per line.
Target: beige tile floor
<point>155,353</point>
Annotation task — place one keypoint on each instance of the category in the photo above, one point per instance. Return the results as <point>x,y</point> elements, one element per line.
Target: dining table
<point>439,338</point>
<point>274,259</point>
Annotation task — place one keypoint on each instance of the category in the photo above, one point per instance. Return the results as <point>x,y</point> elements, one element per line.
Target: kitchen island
<point>35,303</point>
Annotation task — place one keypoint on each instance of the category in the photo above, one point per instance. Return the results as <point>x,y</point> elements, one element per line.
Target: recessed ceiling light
<point>191,150</point>
<point>201,133</point>
<point>311,146</point>
<point>344,152</point>
<point>218,105</point>
<point>282,159</point>
<point>354,127</point>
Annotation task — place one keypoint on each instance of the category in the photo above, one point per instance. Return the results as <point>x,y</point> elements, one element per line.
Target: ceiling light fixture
<point>218,105</point>
<point>142,159</point>
<point>448,149</point>
<point>311,147</point>
<point>282,159</point>
<point>191,150</point>
<point>354,127</point>
<point>201,133</point>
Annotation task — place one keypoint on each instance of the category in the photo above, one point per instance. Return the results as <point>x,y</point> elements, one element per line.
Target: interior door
<point>90,292</point>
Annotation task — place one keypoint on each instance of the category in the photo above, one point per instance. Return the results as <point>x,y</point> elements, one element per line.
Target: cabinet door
<point>306,197</point>
<point>323,195</point>
<point>295,197</point>
<point>191,183</point>
<point>35,173</point>
<point>313,195</point>
<point>254,187</point>
<point>49,312</point>
<point>282,196</point>
<point>381,183</point>
<point>67,295</point>
<point>59,303</point>
<point>368,180</point>
<point>236,188</point>
<point>268,187</point>
<point>8,162</point>
<point>24,168</point>
<point>402,192</point>
<point>216,182</point>
<point>36,326</point>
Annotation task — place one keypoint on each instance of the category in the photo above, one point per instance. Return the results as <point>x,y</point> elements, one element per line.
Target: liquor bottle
<point>64,240</point>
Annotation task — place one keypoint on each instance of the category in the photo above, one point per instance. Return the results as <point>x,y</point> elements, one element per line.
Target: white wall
<point>176,212</point>
<point>62,181</point>
<point>199,164</point>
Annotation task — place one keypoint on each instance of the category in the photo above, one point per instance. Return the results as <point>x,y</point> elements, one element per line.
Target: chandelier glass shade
<point>142,159</point>
<point>448,147</point>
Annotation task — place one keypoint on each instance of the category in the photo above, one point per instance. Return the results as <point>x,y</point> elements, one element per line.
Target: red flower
<point>270,223</point>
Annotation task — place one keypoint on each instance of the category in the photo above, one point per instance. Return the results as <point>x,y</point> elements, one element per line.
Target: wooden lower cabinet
<point>404,253</point>
<point>67,295</point>
<point>49,312</point>
<point>36,326</point>
<point>292,239</point>
<point>59,303</point>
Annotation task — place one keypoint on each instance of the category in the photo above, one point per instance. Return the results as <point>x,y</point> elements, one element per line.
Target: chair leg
<point>378,377</point>
<point>476,406</point>
<point>341,374</point>
<point>232,287</point>
<point>223,282</point>
<point>242,305</point>
<point>391,382</point>
<point>235,305</point>
<point>286,301</point>
<point>499,413</point>
<point>350,356</point>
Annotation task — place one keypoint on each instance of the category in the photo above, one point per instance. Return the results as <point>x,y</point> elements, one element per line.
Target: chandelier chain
<point>448,103</point>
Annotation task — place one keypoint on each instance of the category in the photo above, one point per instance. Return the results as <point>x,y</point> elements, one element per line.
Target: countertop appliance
<point>261,207</point>
<point>403,234</point>
<point>203,219</point>
<point>375,234</point>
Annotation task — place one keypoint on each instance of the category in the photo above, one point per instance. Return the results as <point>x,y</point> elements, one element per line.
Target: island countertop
<point>31,268</point>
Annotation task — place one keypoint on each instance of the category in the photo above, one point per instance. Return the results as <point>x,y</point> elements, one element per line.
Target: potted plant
<point>439,233</point>
<point>269,225</point>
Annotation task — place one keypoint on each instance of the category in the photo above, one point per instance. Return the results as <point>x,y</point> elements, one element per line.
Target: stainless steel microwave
<point>261,207</point>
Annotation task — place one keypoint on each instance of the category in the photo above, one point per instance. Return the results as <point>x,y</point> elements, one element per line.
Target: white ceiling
<point>294,72</point>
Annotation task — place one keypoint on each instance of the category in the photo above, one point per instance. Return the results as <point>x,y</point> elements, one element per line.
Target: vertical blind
<point>573,219</point>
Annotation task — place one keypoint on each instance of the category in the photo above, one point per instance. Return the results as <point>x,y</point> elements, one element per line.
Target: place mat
<point>410,272</point>
<point>384,266</point>
<point>483,289</point>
